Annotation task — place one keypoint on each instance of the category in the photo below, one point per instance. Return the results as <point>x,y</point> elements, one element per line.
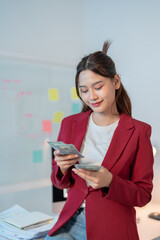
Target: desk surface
<point>148,228</point>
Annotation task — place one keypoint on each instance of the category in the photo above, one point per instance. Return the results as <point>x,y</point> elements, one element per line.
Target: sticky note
<point>74,94</point>
<point>76,107</point>
<point>28,115</point>
<point>57,117</point>
<point>22,93</point>
<point>53,94</point>
<point>47,125</point>
<point>37,156</point>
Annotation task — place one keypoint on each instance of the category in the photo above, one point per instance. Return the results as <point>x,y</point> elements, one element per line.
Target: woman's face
<point>98,92</point>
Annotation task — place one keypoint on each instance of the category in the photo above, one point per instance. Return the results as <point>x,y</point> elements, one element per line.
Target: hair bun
<point>106,46</point>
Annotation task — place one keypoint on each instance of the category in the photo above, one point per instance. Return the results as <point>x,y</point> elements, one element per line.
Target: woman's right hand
<point>65,161</point>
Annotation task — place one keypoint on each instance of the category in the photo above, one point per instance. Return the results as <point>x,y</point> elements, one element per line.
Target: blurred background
<point>41,43</point>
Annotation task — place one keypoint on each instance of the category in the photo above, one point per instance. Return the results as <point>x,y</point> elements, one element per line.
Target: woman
<point>100,204</point>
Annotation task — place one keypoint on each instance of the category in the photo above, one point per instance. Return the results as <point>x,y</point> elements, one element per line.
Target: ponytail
<point>123,101</point>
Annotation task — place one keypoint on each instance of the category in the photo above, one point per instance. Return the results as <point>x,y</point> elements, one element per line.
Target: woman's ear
<point>117,81</point>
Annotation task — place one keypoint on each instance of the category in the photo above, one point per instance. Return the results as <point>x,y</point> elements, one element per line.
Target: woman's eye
<point>83,91</point>
<point>98,88</point>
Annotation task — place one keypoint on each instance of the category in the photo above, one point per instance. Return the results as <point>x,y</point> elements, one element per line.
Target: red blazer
<point>110,212</point>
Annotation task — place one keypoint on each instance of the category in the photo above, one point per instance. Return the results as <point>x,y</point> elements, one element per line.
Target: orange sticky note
<point>57,117</point>
<point>53,94</point>
<point>74,94</point>
<point>47,125</point>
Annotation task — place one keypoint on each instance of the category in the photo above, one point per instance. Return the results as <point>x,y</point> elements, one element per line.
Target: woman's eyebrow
<point>93,83</point>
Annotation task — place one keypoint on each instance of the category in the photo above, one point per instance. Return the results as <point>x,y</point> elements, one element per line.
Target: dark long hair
<point>99,62</point>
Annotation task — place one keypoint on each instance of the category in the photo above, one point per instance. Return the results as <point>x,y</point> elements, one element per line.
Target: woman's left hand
<point>100,179</point>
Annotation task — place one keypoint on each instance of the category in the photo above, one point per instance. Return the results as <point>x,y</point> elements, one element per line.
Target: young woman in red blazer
<point>100,204</point>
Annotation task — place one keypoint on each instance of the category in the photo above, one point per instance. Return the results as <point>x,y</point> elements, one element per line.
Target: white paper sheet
<point>9,232</point>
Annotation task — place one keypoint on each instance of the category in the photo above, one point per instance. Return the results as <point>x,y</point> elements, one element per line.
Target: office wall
<point>41,43</point>
<point>133,26</point>
<point>51,29</point>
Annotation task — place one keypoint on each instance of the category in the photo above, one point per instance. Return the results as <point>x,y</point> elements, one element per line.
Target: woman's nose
<point>92,95</point>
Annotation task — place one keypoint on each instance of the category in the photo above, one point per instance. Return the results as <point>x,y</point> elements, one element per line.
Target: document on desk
<point>28,219</point>
<point>8,231</point>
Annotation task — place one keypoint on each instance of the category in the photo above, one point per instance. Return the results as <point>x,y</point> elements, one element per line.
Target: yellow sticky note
<point>57,117</point>
<point>53,94</point>
<point>74,93</point>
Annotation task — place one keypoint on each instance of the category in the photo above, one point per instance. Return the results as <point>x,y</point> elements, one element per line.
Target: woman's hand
<point>65,161</point>
<point>100,179</point>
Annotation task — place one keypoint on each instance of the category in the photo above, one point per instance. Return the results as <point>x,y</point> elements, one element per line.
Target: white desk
<point>148,228</point>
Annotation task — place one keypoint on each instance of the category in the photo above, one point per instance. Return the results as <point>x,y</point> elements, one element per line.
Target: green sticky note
<point>76,107</point>
<point>37,156</point>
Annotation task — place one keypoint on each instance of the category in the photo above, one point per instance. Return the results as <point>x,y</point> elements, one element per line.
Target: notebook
<point>27,219</point>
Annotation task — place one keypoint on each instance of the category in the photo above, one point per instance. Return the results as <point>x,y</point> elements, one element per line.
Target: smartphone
<point>93,167</point>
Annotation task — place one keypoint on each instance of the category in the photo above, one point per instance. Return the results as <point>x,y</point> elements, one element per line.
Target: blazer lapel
<point>79,129</point>
<point>119,140</point>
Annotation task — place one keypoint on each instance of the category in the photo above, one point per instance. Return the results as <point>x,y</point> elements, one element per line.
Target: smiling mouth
<point>96,104</point>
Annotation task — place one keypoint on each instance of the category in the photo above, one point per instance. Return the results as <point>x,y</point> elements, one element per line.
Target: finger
<point>89,173</point>
<point>91,184</point>
<point>67,157</point>
<point>62,161</point>
<point>86,174</point>
<point>103,169</point>
<point>56,152</point>
<point>66,164</point>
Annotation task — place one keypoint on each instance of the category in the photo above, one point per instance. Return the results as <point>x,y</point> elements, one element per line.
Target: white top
<point>96,142</point>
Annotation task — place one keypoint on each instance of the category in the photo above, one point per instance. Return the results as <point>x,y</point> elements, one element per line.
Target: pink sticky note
<point>29,115</point>
<point>22,93</point>
<point>47,125</point>
<point>6,80</point>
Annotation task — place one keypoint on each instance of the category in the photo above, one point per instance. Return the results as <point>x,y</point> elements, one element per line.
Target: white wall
<point>42,28</point>
<point>134,28</point>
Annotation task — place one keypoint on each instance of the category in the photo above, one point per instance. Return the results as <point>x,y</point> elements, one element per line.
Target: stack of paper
<point>17,223</point>
<point>28,219</point>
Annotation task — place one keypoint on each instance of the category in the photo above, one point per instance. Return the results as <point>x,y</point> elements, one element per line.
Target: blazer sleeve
<point>57,179</point>
<point>137,190</point>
